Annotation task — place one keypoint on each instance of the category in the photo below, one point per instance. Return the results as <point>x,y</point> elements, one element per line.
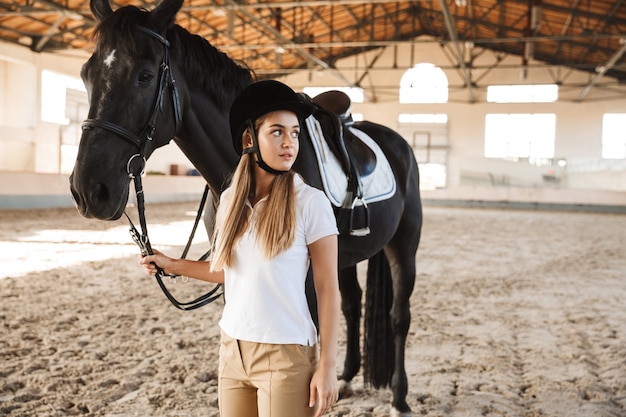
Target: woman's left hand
<point>324,390</point>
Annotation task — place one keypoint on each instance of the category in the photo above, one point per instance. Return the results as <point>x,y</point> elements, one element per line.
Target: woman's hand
<point>149,262</point>
<point>324,385</point>
<point>324,389</point>
<point>183,267</point>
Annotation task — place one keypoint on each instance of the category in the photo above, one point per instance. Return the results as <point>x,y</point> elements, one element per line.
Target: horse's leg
<point>351,306</point>
<point>403,279</point>
<point>400,253</point>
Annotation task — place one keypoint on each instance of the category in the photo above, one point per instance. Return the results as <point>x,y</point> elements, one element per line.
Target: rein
<point>135,171</point>
<point>142,240</point>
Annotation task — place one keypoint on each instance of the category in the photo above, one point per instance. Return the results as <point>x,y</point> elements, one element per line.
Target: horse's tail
<point>379,353</point>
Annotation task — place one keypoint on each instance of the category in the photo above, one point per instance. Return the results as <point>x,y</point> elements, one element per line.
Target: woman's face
<point>277,135</point>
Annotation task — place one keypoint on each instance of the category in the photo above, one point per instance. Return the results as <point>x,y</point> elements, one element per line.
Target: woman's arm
<point>324,386</point>
<point>192,269</point>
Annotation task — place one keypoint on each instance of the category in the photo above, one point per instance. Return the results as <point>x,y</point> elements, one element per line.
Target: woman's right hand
<point>149,262</point>
<point>183,267</point>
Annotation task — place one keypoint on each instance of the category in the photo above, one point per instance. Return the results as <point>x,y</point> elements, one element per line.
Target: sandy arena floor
<point>515,313</point>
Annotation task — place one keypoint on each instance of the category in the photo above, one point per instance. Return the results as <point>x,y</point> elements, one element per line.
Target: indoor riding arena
<point>515,113</point>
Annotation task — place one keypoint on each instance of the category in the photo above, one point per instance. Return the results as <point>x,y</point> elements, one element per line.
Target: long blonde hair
<point>276,224</point>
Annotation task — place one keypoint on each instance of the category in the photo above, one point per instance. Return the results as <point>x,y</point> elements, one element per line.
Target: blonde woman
<point>270,226</point>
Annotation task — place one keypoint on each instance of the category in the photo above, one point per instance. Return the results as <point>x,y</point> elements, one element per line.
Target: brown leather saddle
<point>358,156</point>
<point>332,111</point>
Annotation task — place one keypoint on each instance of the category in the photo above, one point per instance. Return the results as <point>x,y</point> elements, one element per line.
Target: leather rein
<point>136,165</point>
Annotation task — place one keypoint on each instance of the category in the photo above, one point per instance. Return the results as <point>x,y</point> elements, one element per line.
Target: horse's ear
<point>100,9</point>
<point>164,14</point>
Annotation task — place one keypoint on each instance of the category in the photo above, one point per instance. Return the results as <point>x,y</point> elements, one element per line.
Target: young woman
<point>270,226</point>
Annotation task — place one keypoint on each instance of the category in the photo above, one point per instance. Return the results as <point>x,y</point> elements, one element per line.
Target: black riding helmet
<point>258,99</point>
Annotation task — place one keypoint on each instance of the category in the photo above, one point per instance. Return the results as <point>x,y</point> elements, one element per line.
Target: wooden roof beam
<point>454,38</point>
<point>600,71</point>
<point>288,4</point>
<point>302,51</point>
<point>566,26</point>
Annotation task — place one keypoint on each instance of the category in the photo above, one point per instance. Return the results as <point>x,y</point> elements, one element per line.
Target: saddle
<point>358,155</point>
<point>332,110</point>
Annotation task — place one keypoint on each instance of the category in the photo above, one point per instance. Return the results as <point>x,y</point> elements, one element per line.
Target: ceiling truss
<point>280,37</point>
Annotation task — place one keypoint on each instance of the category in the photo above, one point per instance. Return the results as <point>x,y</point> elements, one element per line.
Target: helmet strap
<point>256,150</point>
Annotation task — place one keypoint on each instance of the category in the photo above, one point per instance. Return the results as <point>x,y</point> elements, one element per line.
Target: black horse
<point>149,80</point>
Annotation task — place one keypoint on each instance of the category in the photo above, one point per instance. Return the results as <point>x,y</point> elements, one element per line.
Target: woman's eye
<point>295,134</point>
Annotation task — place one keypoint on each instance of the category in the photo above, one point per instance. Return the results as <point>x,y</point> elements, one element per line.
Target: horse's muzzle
<point>95,200</point>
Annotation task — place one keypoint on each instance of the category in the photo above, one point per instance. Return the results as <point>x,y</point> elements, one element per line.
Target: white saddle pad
<point>379,185</point>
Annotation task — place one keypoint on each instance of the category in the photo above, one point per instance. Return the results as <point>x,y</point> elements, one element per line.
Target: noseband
<point>141,142</point>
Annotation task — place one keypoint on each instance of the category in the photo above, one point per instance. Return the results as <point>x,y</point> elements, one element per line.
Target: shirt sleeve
<point>319,217</point>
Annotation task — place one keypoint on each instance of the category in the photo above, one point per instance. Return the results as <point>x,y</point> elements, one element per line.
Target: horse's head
<point>134,104</point>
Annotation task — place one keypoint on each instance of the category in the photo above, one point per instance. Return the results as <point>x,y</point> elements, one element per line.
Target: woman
<point>270,226</point>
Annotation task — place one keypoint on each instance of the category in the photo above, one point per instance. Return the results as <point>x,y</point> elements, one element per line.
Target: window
<point>614,136</point>
<point>520,135</point>
<point>422,118</point>
<point>54,88</point>
<point>427,134</point>
<point>538,93</point>
<point>64,102</point>
<point>424,83</point>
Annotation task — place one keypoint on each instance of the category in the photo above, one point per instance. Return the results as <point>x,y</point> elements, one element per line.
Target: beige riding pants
<point>265,380</point>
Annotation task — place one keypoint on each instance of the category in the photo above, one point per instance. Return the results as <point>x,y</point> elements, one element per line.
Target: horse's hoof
<point>345,389</point>
<point>396,413</point>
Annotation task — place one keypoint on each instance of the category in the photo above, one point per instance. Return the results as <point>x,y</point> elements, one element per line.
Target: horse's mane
<point>203,64</point>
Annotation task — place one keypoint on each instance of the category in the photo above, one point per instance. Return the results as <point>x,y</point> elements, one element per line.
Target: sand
<point>514,313</point>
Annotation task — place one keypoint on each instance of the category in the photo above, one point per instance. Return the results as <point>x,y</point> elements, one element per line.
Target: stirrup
<point>362,229</point>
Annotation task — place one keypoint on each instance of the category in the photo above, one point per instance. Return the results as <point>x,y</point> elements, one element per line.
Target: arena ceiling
<point>277,37</point>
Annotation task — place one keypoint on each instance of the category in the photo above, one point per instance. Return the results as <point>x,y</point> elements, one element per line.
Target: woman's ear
<point>246,140</point>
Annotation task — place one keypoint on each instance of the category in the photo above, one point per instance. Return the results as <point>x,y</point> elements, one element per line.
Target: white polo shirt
<point>265,299</point>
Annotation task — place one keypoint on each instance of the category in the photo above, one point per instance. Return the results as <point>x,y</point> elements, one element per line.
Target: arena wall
<point>25,190</point>
<point>31,173</point>
<point>34,190</point>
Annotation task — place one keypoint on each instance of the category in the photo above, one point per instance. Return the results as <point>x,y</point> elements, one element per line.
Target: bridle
<point>135,171</point>
<point>145,136</point>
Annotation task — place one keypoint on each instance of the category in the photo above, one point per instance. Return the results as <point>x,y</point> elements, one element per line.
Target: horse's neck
<point>204,138</point>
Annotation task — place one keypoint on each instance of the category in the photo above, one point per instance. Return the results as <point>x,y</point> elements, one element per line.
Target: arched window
<point>424,83</point>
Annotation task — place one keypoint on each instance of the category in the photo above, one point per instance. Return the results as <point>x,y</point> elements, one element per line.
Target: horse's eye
<point>145,77</point>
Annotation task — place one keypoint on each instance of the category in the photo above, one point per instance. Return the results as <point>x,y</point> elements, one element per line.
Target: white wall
<point>578,124</point>
<point>28,145</point>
